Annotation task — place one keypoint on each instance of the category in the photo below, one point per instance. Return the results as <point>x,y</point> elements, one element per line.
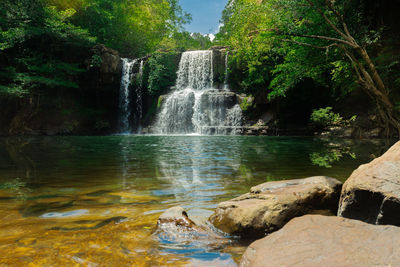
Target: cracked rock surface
<point>269,206</point>
<point>372,192</point>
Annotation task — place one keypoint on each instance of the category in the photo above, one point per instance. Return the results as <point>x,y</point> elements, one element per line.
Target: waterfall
<point>195,106</point>
<point>226,86</point>
<point>129,120</point>
<point>124,95</point>
<point>195,70</point>
<point>139,101</point>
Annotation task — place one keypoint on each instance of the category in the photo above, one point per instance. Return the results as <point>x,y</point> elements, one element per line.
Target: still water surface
<point>94,201</point>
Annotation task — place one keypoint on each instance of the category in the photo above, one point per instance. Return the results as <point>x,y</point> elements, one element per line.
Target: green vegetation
<point>285,53</point>
<point>32,36</point>
<point>43,43</point>
<point>245,104</point>
<point>329,156</point>
<point>325,117</point>
<point>162,69</point>
<point>340,45</point>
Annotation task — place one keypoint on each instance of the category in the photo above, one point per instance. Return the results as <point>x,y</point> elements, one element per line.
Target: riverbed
<point>96,200</point>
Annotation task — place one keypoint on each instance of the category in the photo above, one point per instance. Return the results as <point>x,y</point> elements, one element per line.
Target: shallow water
<point>95,200</point>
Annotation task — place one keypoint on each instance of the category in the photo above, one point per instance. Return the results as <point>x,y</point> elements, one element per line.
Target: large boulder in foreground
<point>269,206</point>
<point>315,240</point>
<point>372,192</point>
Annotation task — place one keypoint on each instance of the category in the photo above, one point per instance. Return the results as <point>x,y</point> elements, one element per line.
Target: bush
<point>162,72</point>
<point>245,104</point>
<point>325,117</point>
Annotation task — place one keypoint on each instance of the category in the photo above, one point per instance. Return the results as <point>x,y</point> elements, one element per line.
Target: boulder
<point>315,240</point>
<point>372,192</point>
<point>269,206</point>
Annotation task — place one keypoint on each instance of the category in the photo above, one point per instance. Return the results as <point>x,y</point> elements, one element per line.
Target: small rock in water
<point>176,216</point>
<point>174,227</point>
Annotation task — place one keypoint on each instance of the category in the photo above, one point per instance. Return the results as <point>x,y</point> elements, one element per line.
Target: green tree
<point>334,43</point>
<point>31,33</point>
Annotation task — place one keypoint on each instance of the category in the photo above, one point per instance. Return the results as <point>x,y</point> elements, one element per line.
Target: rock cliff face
<point>219,65</point>
<point>269,206</point>
<point>372,192</point>
<point>315,240</point>
<point>89,109</point>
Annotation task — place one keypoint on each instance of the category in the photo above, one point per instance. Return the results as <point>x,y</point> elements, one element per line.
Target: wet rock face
<point>269,206</point>
<point>372,192</point>
<point>219,53</point>
<point>315,240</point>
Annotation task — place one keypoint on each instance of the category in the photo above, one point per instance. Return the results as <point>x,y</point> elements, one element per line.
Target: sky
<point>205,13</point>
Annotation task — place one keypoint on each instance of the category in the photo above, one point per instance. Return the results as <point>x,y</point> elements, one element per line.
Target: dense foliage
<point>324,50</point>
<point>43,42</point>
<point>33,41</point>
<point>161,72</point>
<point>341,45</point>
<point>325,117</point>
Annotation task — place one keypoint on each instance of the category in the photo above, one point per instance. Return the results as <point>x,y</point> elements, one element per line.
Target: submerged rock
<point>175,217</point>
<point>315,240</point>
<point>269,206</point>
<point>175,228</point>
<point>372,192</point>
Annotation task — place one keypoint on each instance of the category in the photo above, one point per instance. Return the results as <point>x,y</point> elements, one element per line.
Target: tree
<point>31,33</point>
<point>301,22</point>
<point>334,43</point>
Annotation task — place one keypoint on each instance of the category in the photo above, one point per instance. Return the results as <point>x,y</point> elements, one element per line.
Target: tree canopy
<point>337,44</point>
<point>42,41</point>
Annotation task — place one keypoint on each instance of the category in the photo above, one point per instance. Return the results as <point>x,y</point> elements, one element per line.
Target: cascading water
<point>195,106</point>
<point>226,86</point>
<point>139,101</point>
<point>124,95</point>
<point>130,101</point>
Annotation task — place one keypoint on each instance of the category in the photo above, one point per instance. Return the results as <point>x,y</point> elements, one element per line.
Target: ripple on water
<point>72,213</point>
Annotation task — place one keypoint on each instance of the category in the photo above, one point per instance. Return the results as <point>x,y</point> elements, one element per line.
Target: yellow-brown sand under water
<point>92,228</point>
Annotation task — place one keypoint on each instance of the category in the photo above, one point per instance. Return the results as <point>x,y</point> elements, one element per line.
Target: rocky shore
<point>314,221</point>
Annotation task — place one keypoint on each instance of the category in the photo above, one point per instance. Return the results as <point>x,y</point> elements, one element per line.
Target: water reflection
<point>60,192</point>
<point>24,166</point>
<point>194,169</point>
